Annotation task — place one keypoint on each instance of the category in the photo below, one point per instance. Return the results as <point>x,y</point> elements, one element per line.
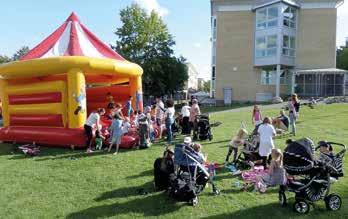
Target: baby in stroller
<point>190,176</point>
<point>315,175</point>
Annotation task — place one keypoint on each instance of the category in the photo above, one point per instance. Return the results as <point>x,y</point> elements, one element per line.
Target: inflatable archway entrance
<point>46,96</point>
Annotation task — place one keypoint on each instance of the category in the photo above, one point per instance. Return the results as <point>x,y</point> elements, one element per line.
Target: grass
<point>61,183</point>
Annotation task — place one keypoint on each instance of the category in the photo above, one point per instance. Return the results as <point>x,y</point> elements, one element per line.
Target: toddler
<point>237,141</point>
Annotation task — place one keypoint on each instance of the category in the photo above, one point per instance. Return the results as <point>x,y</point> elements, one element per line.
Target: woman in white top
<point>266,132</point>
<point>185,112</point>
<point>93,119</point>
<point>169,119</point>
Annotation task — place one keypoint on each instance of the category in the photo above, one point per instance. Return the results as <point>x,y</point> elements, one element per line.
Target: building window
<point>213,24</point>
<point>267,18</point>
<point>266,46</point>
<point>288,46</point>
<point>289,17</point>
<point>213,73</point>
<point>270,77</point>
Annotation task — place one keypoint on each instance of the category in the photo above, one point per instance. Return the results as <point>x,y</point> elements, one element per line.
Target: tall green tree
<point>342,58</point>
<point>145,40</point>
<point>20,53</point>
<point>206,86</point>
<point>4,59</point>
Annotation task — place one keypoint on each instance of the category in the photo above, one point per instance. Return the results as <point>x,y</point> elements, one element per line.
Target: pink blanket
<point>251,176</point>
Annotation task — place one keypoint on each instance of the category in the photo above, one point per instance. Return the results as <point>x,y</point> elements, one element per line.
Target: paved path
<point>250,108</point>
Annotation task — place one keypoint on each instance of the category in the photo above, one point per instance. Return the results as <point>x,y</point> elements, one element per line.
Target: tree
<point>4,59</point>
<point>145,40</point>
<point>206,86</point>
<point>20,53</point>
<point>342,58</point>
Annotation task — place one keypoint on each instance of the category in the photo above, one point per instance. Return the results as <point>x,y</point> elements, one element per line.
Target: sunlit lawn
<point>64,183</point>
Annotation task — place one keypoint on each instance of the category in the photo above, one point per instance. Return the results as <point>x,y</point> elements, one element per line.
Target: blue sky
<point>29,22</point>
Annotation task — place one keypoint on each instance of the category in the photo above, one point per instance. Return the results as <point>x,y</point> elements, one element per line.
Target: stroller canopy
<point>299,156</point>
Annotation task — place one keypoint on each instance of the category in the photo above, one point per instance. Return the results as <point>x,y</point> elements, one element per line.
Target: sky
<point>27,23</point>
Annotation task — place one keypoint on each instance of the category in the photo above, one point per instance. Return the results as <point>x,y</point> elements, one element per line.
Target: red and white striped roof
<point>72,39</point>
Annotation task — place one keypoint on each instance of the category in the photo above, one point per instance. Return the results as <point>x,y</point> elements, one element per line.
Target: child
<point>276,175</point>
<point>256,117</point>
<point>129,106</point>
<point>115,132</point>
<point>266,132</point>
<point>198,148</point>
<point>110,100</point>
<point>98,140</point>
<point>235,143</point>
<point>325,152</point>
<point>126,125</point>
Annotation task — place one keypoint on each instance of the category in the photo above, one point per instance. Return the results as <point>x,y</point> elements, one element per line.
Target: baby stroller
<point>316,176</point>
<point>204,128</point>
<point>250,150</point>
<point>190,176</point>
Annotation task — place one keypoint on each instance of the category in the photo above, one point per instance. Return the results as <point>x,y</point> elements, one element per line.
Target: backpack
<point>162,170</point>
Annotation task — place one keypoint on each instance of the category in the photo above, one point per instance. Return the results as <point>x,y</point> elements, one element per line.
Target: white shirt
<point>266,132</point>
<point>92,119</point>
<point>159,110</point>
<point>126,126</point>
<point>169,113</point>
<point>185,111</point>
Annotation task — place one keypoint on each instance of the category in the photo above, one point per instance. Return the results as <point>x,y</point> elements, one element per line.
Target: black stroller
<point>204,128</point>
<point>315,175</point>
<point>190,176</point>
<point>250,150</point>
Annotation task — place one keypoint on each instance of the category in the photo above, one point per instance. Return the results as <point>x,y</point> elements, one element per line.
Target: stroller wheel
<point>194,201</point>
<point>282,198</point>
<point>216,191</point>
<point>333,202</point>
<point>301,206</point>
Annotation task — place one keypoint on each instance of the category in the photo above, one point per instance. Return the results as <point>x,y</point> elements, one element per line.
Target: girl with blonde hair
<point>236,141</point>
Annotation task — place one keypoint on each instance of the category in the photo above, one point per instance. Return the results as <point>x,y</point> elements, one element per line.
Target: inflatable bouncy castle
<point>47,95</point>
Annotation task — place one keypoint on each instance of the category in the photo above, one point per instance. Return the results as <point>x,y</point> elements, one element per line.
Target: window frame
<point>289,20</point>
<point>290,49</point>
<point>267,20</point>
<point>267,49</point>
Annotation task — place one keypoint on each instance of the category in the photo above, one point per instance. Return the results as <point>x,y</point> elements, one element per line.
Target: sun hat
<point>187,140</point>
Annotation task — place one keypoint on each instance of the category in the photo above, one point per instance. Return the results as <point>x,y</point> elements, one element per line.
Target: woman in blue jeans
<point>169,119</point>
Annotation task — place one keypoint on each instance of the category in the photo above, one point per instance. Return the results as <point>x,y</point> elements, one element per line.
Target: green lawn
<point>63,183</point>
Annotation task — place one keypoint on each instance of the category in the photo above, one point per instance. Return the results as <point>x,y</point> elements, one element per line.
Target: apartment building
<point>267,49</point>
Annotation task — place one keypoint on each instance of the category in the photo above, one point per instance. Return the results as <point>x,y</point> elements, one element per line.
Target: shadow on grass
<point>272,210</point>
<point>47,153</point>
<point>216,142</point>
<point>142,174</point>
<point>144,189</point>
<point>147,205</point>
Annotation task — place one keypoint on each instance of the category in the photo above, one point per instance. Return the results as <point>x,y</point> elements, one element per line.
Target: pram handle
<point>336,144</point>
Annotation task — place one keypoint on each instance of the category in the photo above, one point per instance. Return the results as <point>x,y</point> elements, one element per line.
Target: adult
<point>266,132</point>
<point>185,111</point>
<point>92,120</point>
<point>194,113</point>
<point>169,119</point>
<point>294,109</point>
<point>281,122</point>
<point>159,114</point>
<point>128,106</point>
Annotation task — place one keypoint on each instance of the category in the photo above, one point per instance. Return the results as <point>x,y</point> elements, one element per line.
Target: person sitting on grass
<point>276,174</point>
<point>115,133</point>
<point>281,123</point>
<point>236,142</point>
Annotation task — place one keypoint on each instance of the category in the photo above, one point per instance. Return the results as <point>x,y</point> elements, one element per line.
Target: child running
<point>237,141</point>
<point>115,132</point>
